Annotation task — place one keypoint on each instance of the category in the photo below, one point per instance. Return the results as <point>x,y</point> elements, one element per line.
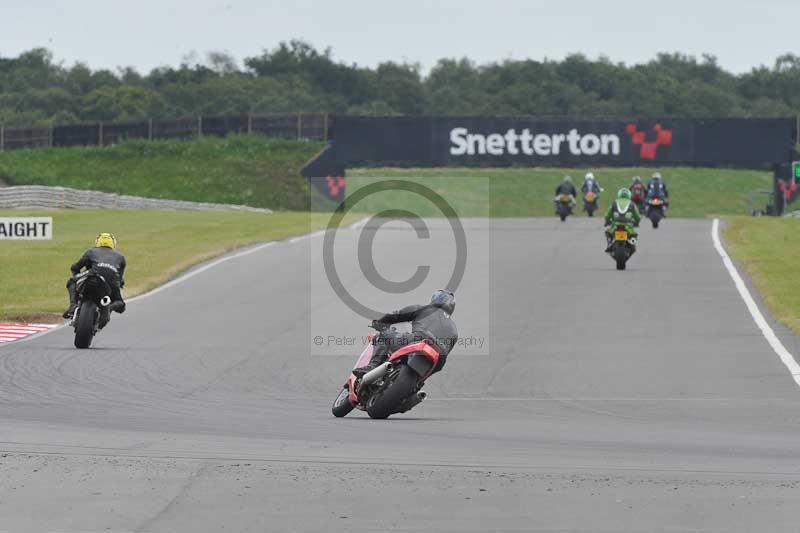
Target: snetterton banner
<point>488,141</point>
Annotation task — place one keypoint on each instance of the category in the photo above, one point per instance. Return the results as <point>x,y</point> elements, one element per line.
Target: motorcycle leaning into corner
<point>394,386</point>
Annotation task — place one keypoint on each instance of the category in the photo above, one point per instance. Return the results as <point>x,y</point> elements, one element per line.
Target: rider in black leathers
<point>107,262</point>
<point>430,322</point>
<point>566,187</point>
<point>590,183</point>
<point>656,188</point>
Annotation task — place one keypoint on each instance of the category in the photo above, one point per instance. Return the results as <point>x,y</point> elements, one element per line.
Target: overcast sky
<point>150,33</point>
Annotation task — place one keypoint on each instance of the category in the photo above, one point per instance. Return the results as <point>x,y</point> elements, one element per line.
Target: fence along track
<point>39,196</point>
<point>289,126</point>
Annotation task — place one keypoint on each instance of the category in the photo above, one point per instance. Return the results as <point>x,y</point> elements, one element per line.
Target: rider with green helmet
<point>622,211</point>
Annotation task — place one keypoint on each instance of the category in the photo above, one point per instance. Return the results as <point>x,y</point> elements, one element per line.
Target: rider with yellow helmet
<point>104,259</point>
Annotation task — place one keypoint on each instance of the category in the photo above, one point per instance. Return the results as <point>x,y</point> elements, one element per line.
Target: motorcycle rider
<point>590,183</point>
<point>638,191</point>
<point>566,187</point>
<point>431,322</point>
<point>656,188</point>
<point>104,259</point>
<point>621,211</point>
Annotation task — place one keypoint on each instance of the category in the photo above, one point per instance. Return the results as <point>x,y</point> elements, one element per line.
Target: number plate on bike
<point>620,235</point>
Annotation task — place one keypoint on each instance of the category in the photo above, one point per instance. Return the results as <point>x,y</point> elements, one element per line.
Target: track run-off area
<point>587,399</point>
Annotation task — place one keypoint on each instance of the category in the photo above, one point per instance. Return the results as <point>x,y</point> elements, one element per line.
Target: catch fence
<point>313,126</point>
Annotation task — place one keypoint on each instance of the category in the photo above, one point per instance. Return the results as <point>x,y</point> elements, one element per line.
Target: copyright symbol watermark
<point>366,244</point>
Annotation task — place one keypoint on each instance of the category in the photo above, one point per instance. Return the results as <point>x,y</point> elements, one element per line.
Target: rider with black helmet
<point>430,322</point>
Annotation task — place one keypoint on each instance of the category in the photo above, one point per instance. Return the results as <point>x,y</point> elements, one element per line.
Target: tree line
<point>296,77</point>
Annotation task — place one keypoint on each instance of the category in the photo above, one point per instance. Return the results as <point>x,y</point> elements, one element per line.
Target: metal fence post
<point>299,126</point>
<point>50,138</point>
<point>149,129</point>
<point>249,124</point>
<point>200,126</point>
<point>325,127</point>
<point>2,138</point>
<point>100,134</point>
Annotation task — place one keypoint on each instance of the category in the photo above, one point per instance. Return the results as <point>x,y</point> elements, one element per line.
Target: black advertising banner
<point>486,141</point>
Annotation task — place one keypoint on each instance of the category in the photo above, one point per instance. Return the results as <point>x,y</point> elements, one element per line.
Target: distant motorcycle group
<point>623,216</point>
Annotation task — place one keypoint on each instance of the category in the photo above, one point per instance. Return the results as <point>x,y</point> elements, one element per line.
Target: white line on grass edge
<point>784,355</point>
<point>193,273</point>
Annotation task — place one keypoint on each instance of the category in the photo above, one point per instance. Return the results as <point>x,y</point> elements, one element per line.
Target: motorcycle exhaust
<point>105,301</point>
<point>375,374</point>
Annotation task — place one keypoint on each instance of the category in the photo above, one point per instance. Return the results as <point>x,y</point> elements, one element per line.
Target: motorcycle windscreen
<point>366,355</point>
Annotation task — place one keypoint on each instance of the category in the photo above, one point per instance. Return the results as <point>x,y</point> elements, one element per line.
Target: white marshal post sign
<point>26,228</point>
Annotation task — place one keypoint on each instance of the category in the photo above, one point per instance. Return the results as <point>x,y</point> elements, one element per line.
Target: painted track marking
<point>11,332</point>
<point>773,340</point>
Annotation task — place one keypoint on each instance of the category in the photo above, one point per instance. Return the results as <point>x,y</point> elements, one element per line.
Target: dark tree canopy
<point>296,77</point>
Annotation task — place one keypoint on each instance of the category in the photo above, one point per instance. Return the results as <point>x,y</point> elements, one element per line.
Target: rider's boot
<point>73,301</point>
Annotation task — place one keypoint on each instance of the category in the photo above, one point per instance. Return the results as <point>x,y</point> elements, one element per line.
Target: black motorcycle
<point>590,202</point>
<point>564,206</point>
<point>92,313</point>
<point>623,246</point>
<point>655,210</point>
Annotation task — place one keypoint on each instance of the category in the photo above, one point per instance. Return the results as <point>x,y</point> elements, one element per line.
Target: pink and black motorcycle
<point>393,387</point>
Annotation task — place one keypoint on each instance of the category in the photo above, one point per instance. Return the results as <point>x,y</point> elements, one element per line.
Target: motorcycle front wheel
<point>342,404</point>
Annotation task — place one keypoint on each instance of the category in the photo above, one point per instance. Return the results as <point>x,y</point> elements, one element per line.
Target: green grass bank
<point>768,249</point>
<point>240,169</point>
<point>518,192</point>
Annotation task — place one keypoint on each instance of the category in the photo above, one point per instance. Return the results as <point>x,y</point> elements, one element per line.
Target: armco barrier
<point>37,196</point>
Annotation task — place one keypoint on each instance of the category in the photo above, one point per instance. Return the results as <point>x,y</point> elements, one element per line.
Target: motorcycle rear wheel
<point>389,400</point>
<point>84,324</point>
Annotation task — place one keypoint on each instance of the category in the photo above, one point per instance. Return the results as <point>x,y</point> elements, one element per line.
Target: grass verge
<point>240,169</point>
<point>769,251</point>
<point>513,192</point>
<point>158,245</point>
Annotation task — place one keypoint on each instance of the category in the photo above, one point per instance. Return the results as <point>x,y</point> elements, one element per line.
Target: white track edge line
<point>207,266</point>
<point>786,358</point>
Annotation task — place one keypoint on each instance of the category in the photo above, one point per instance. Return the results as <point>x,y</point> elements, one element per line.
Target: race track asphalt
<point>644,400</point>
